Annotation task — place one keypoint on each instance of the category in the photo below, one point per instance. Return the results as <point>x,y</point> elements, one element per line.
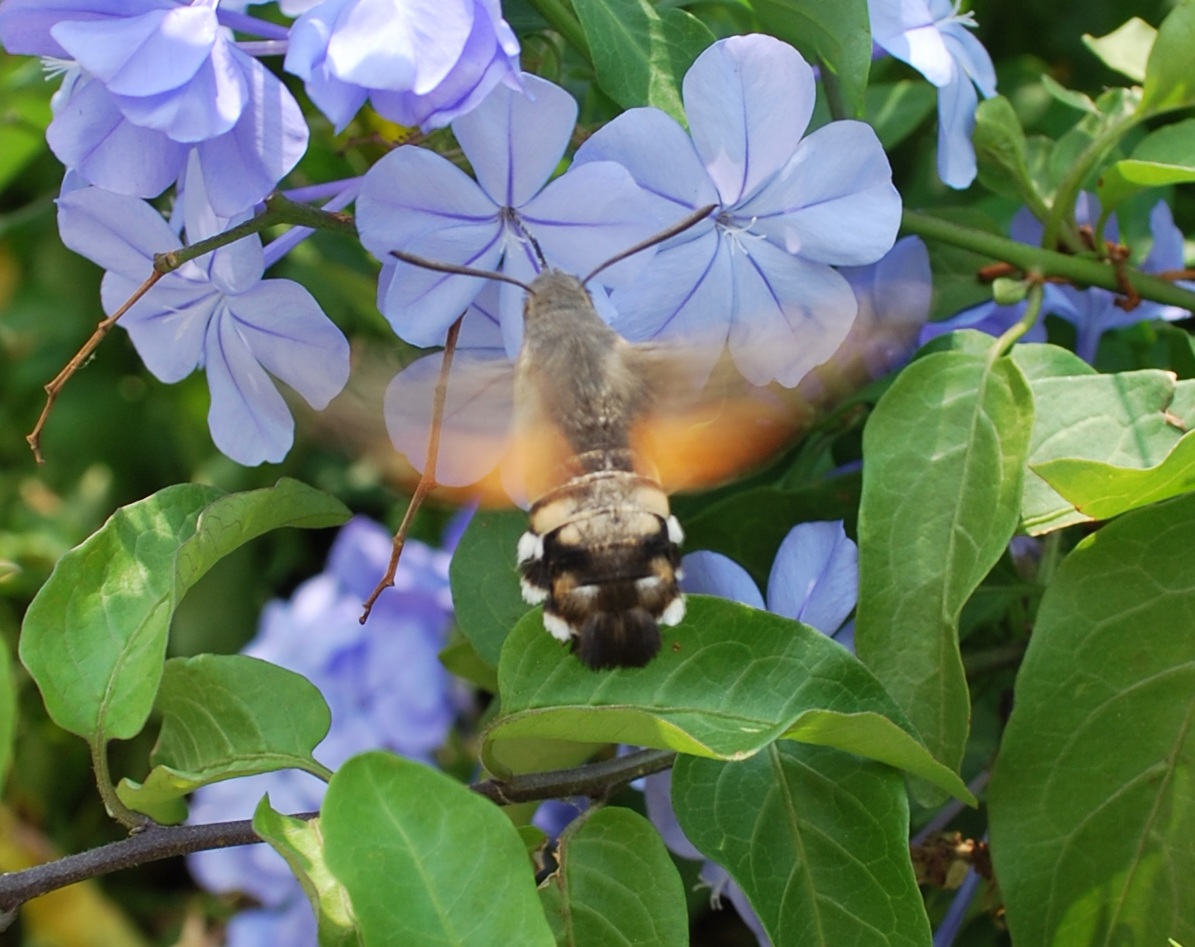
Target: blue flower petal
<point>91,136</point>
<point>748,100</point>
<point>287,332</point>
<point>249,420</point>
<point>514,140</point>
<point>478,407</point>
<point>168,325</point>
<point>157,51</point>
<point>660,157</point>
<point>588,215</point>
<point>407,45</point>
<point>834,202</point>
<point>687,293</point>
<point>815,576</point>
<point>711,573</point>
<point>210,104</point>
<point>957,101</point>
<point>906,29</point>
<point>790,315</point>
<point>970,56</point>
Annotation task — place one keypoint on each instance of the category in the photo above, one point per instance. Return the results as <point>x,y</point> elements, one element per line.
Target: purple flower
<point>417,201</point>
<point>933,37</point>
<point>148,83</point>
<point>758,272</point>
<point>420,62</point>
<point>1093,311</point>
<point>215,313</point>
<point>815,580</point>
<point>384,685</point>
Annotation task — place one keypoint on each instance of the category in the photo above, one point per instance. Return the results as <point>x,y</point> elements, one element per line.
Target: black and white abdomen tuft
<point>603,557</point>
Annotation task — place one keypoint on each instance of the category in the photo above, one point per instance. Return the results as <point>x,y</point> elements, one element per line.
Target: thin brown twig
<point>427,479</point>
<point>278,210</point>
<point>156,842</point>
<point>77,361</point>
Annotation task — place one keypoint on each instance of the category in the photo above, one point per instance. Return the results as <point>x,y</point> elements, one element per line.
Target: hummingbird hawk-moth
<point>602,430</point>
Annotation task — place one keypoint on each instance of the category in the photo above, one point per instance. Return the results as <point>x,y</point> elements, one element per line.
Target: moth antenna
<point>694,218</point>
<point>459,270</point>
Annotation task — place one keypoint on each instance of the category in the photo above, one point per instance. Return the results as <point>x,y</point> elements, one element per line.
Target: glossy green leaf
<point>226,716</point>
<point>300,842</point>
<point>616,884</point>
<point>944,454</point>
<point>1092,807</point>
<point>641,54</point>
<point>94,638</point>
<point>1076,100</point>
<point>1164,157</point>
<point>835,35</point>
<point>427,861</point>
<point>1126,48</point>
<point>1101,491</point>
<point>1169,81</point>
<point>816,838</point>
<point>485,580</point>
<point>1085,420</point>
<point>1000,151</point>
<point>729,681</point>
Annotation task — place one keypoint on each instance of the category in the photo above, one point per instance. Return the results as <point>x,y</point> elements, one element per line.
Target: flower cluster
<point>150,83</point>
<point>1092,311</point>
<point>934,37</point>
<point>384,684</point>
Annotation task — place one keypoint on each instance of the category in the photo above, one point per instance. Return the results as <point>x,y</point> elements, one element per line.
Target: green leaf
<point>895,109</point>
<point>1126,48</point>
<point>835,35</point>
<point>299,841</point>
<point>1092,811</point>
<point>816,838</point>
<point>944,461</point>
<point>485,580</point>
<point>427,861</point>
<point>1162,158</point>
<point>94,637</point>
<point>1169,81</point>
<point>616,884</point>
<point>226,716</point>
<point>1000,151</point>
<point>1076,100</point>
<point>1130,420</point>
<point>640,55</point>
<point>1101,491</point>
<point>728,682</point>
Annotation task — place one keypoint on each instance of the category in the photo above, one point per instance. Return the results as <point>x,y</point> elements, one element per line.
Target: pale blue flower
<point>146,84</point>
<point>419,62</point>
<point>934,38</point>
<point>215,313</point>
<point>758,273</point>
<point>416,201</point>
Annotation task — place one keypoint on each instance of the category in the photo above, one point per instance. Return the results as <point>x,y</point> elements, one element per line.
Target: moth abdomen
<point>602,555</point>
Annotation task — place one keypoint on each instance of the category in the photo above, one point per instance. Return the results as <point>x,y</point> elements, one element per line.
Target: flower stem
<point>564,22</point>
<point>1047,263</point>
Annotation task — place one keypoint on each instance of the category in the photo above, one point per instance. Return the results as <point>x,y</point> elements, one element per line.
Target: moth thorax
<point>602,555</point>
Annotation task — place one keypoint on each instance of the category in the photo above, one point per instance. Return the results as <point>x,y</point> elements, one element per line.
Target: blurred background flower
<point>384,684</point>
